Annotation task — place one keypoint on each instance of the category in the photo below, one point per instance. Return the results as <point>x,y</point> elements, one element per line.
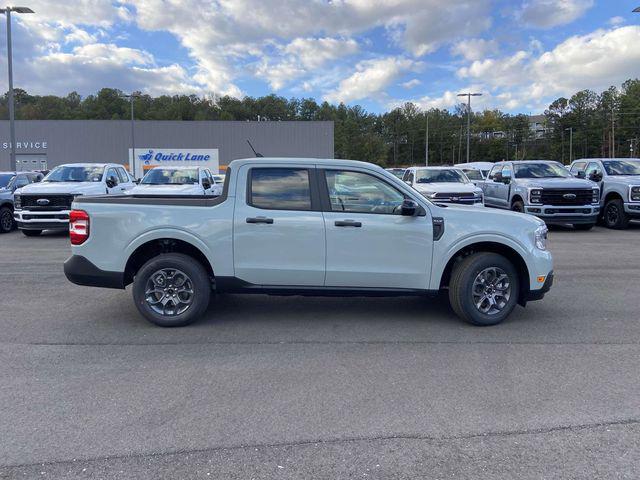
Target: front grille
<point>56,202</point>
<point>562,196</point>
<point>465,198</point>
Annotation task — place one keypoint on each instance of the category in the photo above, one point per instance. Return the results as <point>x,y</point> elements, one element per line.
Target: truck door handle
<point>347,223</point>
<point>260,220</point>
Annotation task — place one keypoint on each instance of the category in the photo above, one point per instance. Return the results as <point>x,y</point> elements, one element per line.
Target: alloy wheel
<point>169,292</point>
<point>491,290</point>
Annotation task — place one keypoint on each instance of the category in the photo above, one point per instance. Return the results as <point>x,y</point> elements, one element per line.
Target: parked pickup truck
<point>444,185</point>
<point>307,227</point>
<point>178,181</point>
<point>46,205</point>
<point>619,181</point>
<point>544,189</point>
<point>9,183</point>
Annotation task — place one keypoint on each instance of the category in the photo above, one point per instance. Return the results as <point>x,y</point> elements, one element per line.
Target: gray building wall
<point>69,141</point>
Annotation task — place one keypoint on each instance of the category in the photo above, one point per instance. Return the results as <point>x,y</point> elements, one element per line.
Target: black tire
<point>200,285</point>
<point>585,227</point>
<point>6,220</point>
<point>461,288</point>
<point>517,206</point>
<point>31,233</point>
<point>614,215</point>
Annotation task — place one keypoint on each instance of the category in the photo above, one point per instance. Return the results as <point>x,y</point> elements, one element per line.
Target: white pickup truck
<point>45,205</point>
<point>308,227</point>
<point>178,181</point>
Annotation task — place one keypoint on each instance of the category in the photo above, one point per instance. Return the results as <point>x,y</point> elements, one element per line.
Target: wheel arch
<point>612,195</point>
<point>157,246</point>
<point>490,246</point>
<point>516,198</point>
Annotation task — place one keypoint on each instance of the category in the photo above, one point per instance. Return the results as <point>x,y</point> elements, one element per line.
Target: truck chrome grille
<point>466,198</point>
<point>46,202</point>
<point>562,196</point>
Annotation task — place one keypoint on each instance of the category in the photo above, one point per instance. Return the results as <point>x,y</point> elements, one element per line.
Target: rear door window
<point>279,188</point>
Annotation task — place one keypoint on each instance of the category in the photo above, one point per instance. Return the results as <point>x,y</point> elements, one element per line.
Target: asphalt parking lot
<point>289,387</point>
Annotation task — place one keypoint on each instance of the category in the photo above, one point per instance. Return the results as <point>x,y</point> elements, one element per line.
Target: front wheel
<point>584,226</point>
<point>484,288</point>
<point>614,215</point>
<point>31,233</point>
<point>6,220</point>
<point>172,290</point>
<point>518,206</point>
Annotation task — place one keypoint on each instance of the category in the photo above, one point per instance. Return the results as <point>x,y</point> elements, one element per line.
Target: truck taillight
<point>78,226</point>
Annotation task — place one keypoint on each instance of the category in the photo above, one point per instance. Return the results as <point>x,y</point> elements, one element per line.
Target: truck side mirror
<point>595,176</point>
<point>111,181</point>
<point>581,174</point>
<point>409,208</point>
<point>497,177</point>
<point>206,184</point>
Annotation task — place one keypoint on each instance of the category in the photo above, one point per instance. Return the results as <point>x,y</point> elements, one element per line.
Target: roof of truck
<point>311,161</point>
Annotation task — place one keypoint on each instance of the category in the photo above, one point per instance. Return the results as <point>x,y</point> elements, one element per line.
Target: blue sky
<point>521,54</point>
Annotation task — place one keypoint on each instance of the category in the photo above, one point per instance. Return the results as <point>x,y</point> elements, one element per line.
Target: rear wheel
<point>31,233</point>
<point>584,226</point>
<point>484,288</point>
<point>518,206</point>
<point>6,220</point>
<point>614,215</point>
<point>172,290</point>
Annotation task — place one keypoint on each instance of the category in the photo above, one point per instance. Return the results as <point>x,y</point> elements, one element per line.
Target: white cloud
<point>552,13</point>
<point>475,48</point>
<point>315,52</point>
<point>414,82</point>
<point>529,78</point>
<point>615,21</point>
<point>370,78</point>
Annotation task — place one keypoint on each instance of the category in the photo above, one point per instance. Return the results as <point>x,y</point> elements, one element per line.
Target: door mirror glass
<point>581,174</point>
<point>409,208</point>
<point>595,176</point>
<point>206,184</point>
<point>112,181</point>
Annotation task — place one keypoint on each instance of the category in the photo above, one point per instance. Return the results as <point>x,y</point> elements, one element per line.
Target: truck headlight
<point>595,195</point>
<point>634,194</point>
<point>17,202</point>
<point>535,195</point>
<point>541,237</point>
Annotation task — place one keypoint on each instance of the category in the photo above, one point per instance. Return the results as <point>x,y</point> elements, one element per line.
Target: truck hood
<point>555,182</point>
<point>69,188</point>
<point>447,188</point>
<point>190,189</point>
<point>487,219</point>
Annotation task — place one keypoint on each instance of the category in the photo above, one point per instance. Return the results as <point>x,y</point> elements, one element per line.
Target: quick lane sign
<point>172,157</point>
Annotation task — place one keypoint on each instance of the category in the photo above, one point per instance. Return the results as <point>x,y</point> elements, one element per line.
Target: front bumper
<point>81,271</point>
<point>574,214</point>
<point>632,209</point>
<point>42,220</point>
<point>539,294</point>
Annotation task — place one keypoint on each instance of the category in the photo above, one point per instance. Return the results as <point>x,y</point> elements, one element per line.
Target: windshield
<point>473,174</point>
<point>5,179</point>
<point>621,167</point>
<point>75,174</point>
<point>440,176</point>
<point>540,170</point>
<point>163,176</point>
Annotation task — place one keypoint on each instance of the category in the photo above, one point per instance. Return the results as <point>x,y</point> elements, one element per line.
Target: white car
<point>178,181</point>
<point>444,185</point>
<point>45,205</point>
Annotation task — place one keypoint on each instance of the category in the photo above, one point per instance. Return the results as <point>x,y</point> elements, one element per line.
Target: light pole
<point>469,95</point>
<point>12,120</point>
<point>131,96</point>
<point>570,143</point>
<point>426,143</point>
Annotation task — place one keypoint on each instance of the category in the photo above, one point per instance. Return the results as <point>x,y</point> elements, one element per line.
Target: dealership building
<point>44,144</point>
